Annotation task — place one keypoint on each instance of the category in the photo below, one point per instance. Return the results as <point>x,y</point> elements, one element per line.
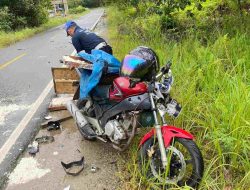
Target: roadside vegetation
<point>7,38</point>
<point>208,42</point>
<point>21,19</point>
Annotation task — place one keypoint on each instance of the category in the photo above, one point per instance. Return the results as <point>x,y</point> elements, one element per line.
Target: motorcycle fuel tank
<point>121,89</point>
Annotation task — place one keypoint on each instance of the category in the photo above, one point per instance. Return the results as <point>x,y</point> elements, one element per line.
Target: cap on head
<point>69,24</point>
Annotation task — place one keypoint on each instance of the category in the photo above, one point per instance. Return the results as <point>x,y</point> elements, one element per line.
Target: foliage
<point>91,3</point>
<point>24,13</point>
<point>77,10</point>
<point>74,3</point>
<point>6,19</point>
<point>211,82</point>
<point>181,16</point>
<point>84,3</point>
<point>7,38</point>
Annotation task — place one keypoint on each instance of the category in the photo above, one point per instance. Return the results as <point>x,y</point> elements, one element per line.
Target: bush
<point>6,19</point>
<point>180,17</point>
<point>76,10</point>
<point>19,22</point>
<point>91,3</point>
<point>36,16</point>
<point>85,3</point>
<point>214,91</point>
<point>18,14</point>
<point>74,3</point>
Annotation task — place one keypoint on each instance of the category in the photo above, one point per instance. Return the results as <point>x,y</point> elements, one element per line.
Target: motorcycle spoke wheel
<point>185,166</point>
<point>189,162</point>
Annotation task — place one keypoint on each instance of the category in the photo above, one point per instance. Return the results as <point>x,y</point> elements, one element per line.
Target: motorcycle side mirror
<point>166,68</point>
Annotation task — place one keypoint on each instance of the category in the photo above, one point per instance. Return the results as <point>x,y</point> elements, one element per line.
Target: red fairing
<point>168,133</point>
<point>120,89</point>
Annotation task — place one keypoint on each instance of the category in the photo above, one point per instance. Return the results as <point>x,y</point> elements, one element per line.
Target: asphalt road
<point>25,71</point>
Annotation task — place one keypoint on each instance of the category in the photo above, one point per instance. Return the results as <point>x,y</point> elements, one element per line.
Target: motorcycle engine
<point>114,131</point>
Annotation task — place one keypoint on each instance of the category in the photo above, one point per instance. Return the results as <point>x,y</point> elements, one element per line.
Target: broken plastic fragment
<point>55,153</point>
<point>48,117</point>
<point>45,139</point>
<point>73,168</point>
<point>67,188</point>
<point>33,148</point>
<point>93,168</point>
<point>53,125</point>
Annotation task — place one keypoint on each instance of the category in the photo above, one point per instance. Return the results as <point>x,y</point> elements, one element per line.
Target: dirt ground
<point>45,172</point>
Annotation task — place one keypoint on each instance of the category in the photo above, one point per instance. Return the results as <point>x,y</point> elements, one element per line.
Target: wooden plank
<point>65,87</point>
<point>62,117</point>
<point>77,61</point>
<point>65,80</point>
<point>74,82</point>
<point>64,73</point>
<point>59,103</point>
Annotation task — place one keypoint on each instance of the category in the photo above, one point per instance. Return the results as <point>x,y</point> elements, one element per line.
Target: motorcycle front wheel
<point>185,163</point>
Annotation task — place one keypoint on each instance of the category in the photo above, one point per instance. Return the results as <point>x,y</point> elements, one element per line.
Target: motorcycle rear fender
<point>168,133</point>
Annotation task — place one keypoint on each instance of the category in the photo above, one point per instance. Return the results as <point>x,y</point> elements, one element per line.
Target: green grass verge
<point>13,37</point>
<point>212,84</point>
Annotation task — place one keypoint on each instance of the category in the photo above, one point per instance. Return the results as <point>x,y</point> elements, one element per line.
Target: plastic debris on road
<point>93,168</point>
<point>53,125</point>
<point>45,139</point>
<point>33,148</point>
<point>74,168</point>
<point>48,117</point>
<point>67,188</point>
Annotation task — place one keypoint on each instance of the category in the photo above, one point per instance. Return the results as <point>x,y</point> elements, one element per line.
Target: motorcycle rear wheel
<point>185,167</point>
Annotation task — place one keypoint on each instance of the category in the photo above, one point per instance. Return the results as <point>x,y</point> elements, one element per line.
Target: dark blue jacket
<point>85,40</point>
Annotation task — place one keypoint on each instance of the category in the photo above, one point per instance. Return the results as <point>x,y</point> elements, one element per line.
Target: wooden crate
<point>65,80</point>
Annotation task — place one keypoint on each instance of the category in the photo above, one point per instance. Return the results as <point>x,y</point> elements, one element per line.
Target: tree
<point>91,3</point>
<point>26,12</point>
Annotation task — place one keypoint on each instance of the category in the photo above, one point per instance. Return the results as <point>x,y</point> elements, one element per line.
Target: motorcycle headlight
<point>173,108</point>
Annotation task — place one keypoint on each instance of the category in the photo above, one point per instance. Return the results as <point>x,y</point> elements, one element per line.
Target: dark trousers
<point>107,49</point>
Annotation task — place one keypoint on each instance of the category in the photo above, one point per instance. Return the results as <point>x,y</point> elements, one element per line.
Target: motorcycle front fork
<point>158,132</point>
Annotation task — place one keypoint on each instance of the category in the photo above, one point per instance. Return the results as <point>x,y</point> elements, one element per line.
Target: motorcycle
<point>168,153</point>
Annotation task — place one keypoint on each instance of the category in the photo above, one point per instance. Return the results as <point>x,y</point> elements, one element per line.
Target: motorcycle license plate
<point>173,108</point>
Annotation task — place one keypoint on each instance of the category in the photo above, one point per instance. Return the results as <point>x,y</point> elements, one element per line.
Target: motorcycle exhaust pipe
<point>76,113</point>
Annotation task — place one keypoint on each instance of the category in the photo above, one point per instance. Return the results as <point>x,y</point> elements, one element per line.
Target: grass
<point>15,36</point>
<point>212,84</point>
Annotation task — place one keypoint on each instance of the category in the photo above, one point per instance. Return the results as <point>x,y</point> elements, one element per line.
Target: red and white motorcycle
<point>167,153</point>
